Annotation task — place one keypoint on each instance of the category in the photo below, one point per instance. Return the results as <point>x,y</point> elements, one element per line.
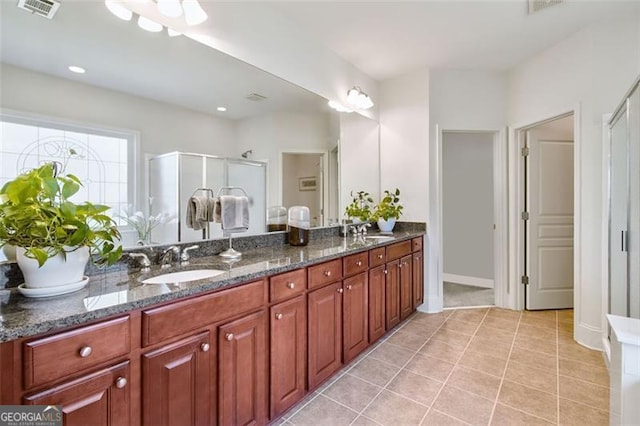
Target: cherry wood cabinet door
<point>288,354</point>
<point>418,279</point>
<point>376,308</point>
<point>406,288</point>
<point>100,398</point>
<point>242,371</point>
<point>177,383</point>
<point>355,331</point>
<point>325,333</point>
<point>392,292</point>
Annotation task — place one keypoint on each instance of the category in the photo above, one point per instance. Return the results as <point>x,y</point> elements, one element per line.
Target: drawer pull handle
<point>359,263</point>
<point>349,287</point>
<point>85,351</point>
<point>205,347</point>
<point>229,336</point>
<point>327,273</point>
<point>121,382</point>
<point>278,316</point>
<point>379,256</point>
<point>340,290</point>
<point>291,285</point>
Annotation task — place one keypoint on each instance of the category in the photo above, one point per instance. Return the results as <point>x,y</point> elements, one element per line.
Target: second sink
<point>183,276</point>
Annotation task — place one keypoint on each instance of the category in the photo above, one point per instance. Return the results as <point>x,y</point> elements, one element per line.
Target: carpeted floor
<point>458,295</point>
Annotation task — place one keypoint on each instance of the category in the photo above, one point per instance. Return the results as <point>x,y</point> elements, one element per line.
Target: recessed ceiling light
<point>221,109</point>
<point>76,69</point>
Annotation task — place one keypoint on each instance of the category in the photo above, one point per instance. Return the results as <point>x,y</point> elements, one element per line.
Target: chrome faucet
<point>184,257</point>
<point>168,255</point>
<point>143,260</point>
<point>361,229</point>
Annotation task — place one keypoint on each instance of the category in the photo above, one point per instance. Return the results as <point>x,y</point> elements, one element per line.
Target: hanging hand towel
<point>234,212</point>
<point>197,212</point>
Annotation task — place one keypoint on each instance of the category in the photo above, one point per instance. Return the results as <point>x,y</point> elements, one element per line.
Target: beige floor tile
<point>565,326</point>
<point>585,393</point>
<point>464,405</point>
<point>409,341</point>
<point>374,371</point>
<point>565,338</point>
<point>537,332</point>
<point>470,315</point>
<point>502,336</point>
<point>307,399</point>
<point>578,352</point>
<point>565,314</point>
<point>540,345</point>
<point>532,401</point>
<point>416,387</point>
<point>587,372</point>
<point>452,338</point>
<point>500,323</point>
<point>549,315</point>
<point>534,359</point>
<point>429,321</point>
<point>460,326</point>
<point>419,328</point>
<point>490,346</point>
<point>392,354</point>
<point>575,414</point>
<point>430,367</point>
<point>508,416</point>
<point>483,362</point>
<point>352,392</point>
<point>364,421</point>
<point>440,350</point>
<point>391,409</point>
<point>536,378</point>
<point>475,382</point>
<point>507,314</point>
<point>323,411</point>
<point>436,418</point>
<point>549,324</point>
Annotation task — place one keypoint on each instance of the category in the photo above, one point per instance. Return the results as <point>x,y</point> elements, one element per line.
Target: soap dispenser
<point>299,224</point>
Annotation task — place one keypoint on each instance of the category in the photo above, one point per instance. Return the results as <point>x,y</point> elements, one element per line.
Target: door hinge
<point>525,280</point>
<point>525,215</point>
<point>524,151</point>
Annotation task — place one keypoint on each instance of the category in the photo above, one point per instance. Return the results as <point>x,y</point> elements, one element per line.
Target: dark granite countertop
<point>110,293</point>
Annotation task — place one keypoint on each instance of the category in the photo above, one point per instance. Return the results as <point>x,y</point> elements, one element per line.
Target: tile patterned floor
<point>467,366</point>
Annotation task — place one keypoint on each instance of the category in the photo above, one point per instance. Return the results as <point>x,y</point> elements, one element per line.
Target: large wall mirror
<point>145,95</point>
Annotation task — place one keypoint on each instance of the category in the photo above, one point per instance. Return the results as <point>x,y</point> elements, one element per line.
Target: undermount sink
<point>378,238</point>
<point>183,276</point>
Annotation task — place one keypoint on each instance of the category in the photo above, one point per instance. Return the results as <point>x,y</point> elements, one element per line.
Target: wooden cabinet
<point>376,308</point>
<point>406,287</point>
<point>392,294</point>
<point>242,375</point>
<point>325,332</point>
<point>355,330</point>
<point>178,382</point>
<point>288,348</point>
<point>417,276</point>
<point>99,398</point>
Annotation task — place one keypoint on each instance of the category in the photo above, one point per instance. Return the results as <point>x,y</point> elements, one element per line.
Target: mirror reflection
<point>147,99</point>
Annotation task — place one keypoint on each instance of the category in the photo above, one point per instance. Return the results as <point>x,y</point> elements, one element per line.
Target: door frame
<point>500,235</point>
<point>516,205</point>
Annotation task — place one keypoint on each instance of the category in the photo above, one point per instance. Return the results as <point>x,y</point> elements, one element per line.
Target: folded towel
<point>199,212</point>
<point>234,213</point>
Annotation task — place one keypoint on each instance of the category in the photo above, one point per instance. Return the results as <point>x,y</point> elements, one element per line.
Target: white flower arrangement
<point>143,224</point>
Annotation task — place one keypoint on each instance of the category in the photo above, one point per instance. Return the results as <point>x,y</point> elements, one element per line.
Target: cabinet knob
<point>327,273</point>
<point>386,272</point>
<point>399,265</point>
<point>349,287</point>
<point>121,382</point>
<point>380,256</point>
<point>291,285</point>
<point>85,351</point>
<point>340,290</point>
<point>278,316</point>
<point>205,347</point>
<point>229,336</point>
<point>359,263</point>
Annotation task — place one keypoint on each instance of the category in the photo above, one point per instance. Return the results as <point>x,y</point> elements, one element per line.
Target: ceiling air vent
<point>46,8</point>
<point>538,5</point>
<point>256,97</point>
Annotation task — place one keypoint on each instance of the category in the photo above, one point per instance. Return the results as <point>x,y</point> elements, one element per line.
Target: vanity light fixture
<point>118,9</point>
<point>193,12</point>
<point>339,107</point>
<point>173,33</point>
<point>358,98</point>
<point>149,25</point>
<point>170,8</point>
<point>222,109</point>
<point>77,69</point>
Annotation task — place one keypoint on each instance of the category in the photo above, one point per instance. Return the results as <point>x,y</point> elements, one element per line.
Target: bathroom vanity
<point>238,348</point>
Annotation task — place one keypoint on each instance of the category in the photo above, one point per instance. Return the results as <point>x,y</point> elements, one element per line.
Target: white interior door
<point>549,230</point>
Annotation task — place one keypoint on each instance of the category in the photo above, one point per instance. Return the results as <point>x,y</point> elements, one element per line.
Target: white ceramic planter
<point>386,225</point>
<point>56,271</point>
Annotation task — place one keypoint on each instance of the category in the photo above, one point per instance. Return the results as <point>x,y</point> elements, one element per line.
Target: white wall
<point>467,207</point>
<point>593,69</point>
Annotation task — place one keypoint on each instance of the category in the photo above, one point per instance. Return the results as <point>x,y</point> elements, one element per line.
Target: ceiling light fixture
<point>77,69</point>
<point>173,33</point>
<point>339,107</point>
<point>193,12</point>
<point>170,8</point>
<point>149,25</point>
<point>357,98</point>
<point>221,109</point>
<point>118,9</point>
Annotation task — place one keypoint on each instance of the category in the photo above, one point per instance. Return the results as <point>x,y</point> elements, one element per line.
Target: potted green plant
<point>388,211</point>
<point>54,237</point>
<point>359,210</point>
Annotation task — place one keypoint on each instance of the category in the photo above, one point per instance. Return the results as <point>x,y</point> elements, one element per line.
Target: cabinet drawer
<point>355,263</point>
<point>416,244</point>
<point>325,273</point>
<point>62,354</point>
<point>167,321</point>
<point>397,250</point>
<point>287,285</point>
<point>377,257</point>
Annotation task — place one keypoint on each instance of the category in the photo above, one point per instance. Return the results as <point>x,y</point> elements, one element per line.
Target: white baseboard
<point>462,279</point>
<point>588,336</point>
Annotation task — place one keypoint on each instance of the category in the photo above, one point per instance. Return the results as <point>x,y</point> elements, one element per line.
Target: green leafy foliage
<point>36,214</point>
<point>360,206</point>
<point>388,207</point>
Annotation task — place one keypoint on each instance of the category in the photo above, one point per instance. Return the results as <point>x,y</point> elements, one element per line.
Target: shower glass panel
<point>633,250</point>
<point>252,177</point>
